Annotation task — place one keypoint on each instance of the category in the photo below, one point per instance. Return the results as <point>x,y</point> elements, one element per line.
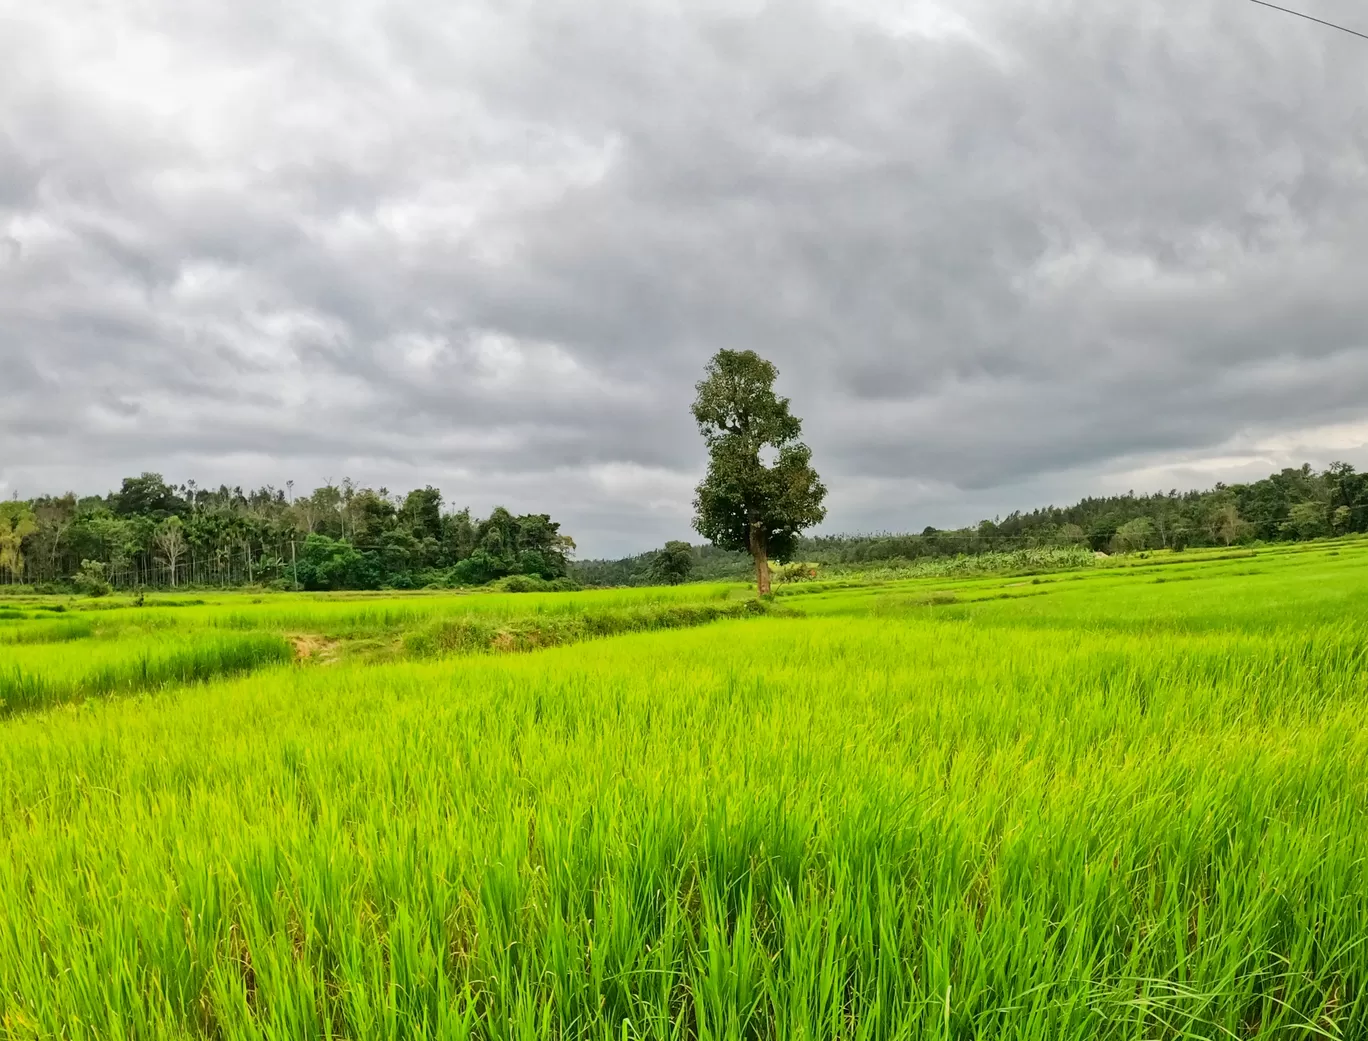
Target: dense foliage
<point>152,533</point>
<point>1291,505</point>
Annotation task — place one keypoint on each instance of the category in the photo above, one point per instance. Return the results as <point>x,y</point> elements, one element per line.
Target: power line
<point>1311,18</point>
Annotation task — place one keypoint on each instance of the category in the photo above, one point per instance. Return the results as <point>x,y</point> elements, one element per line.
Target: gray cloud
<point>1003,253</point>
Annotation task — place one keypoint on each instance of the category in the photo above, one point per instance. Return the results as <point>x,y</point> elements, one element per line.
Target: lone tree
<point>745,502</point>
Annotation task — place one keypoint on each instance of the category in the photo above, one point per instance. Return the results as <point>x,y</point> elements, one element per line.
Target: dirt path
<point>315,648</point>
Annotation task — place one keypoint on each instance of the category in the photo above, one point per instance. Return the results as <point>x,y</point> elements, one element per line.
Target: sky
<point>1004,253</point>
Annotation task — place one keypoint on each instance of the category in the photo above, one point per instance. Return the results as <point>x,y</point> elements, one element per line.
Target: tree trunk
<point>760,552</point>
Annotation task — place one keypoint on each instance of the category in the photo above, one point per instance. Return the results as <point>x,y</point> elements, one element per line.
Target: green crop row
<point>52,675</point>
<point>472,633</point>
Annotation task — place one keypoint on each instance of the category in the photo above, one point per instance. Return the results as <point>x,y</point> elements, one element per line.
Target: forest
<point>1294,504</point>
<point>155,534</point>
<point>151,533</point>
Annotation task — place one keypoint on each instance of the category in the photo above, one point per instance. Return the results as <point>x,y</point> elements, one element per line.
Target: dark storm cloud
<point>1002,252</point>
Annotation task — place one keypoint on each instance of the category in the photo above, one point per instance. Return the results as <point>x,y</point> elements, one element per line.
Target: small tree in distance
<point>1227,526</point>
<point>1306,520</point>
<point>744,503</point>
<point>1136,534</point>
<point>170,542</point>
<point>671,565</point>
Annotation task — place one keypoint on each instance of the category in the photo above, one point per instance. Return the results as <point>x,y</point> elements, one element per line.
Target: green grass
<point>1076,805</point>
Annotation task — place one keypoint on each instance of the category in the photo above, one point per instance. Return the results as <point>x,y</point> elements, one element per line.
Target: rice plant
<point>36,677</point>
<point>1100,807</point>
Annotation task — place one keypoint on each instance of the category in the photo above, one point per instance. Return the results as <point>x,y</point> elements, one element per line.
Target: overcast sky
<point>1004,253</point>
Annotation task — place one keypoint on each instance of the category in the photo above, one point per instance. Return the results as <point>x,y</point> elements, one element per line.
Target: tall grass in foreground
<point>42,676</point>
<point>889,828</point>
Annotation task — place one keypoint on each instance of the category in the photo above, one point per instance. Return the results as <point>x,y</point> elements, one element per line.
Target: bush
<point>793,571</point>
<point>520,584</point>
<point>326,563</point>
<point>91,579</point>
<point>478,569</point>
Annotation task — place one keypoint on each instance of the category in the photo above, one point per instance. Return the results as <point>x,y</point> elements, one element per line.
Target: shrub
<point>794,571</point>
<point>480,568</point>
<point>91,579</point>
<point>534,584</point>
<point>521,584</point>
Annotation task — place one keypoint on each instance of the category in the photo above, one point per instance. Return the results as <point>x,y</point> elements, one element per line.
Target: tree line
<point>1292,505</point>
<point>757,497</point>
<point>152,533</point>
